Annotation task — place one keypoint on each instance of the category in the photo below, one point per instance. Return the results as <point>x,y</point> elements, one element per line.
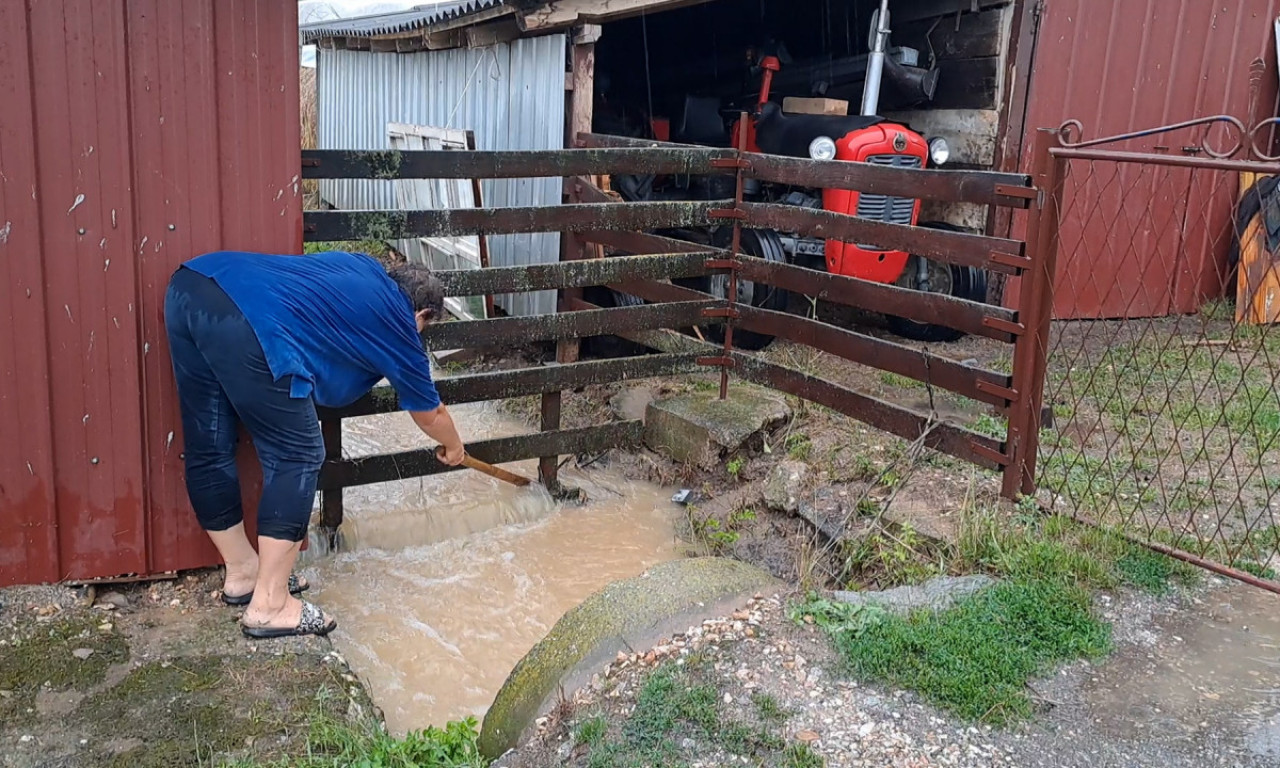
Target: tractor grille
<point>893,210</point>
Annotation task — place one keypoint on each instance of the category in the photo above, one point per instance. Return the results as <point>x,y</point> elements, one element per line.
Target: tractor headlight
<point>939,151</point>
<point>822,148</point>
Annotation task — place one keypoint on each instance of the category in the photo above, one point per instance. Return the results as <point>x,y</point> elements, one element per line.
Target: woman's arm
<point>438,425</point>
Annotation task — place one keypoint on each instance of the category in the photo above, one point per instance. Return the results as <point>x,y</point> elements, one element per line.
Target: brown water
<point>446,582</point>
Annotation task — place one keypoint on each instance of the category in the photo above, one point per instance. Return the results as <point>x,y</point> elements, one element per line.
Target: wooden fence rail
<point>644,265</point>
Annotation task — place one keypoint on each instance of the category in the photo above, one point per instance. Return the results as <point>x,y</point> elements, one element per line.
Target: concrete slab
<point>701,429</point>
<point>633,613</point>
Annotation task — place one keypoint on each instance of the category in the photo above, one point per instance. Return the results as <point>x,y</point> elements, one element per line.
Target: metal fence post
<point>1035,313</point>
<point>734,246</point>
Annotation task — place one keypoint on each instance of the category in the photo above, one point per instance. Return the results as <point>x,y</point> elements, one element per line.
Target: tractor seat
<point>790,135</point>
<point>701,122</point>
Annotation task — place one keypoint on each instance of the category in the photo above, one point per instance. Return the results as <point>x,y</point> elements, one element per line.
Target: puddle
<point>1217,665</point>
<point>447,581</point>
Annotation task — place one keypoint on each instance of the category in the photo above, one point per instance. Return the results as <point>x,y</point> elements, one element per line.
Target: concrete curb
<point>631,614</point>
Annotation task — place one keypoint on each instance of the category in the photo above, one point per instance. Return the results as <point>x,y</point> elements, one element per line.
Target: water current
<point>444,583</point>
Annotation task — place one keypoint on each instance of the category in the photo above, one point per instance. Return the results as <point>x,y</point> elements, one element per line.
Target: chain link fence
<point>1162,415</point>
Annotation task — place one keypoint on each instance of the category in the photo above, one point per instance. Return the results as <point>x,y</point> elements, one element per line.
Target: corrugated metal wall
<point>133,135</point>
<point>511,95</point>
<point>1128,65</point>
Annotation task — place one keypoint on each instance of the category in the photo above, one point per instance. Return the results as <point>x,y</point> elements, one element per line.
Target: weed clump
<point>974,659</point>
<point>675,706</point>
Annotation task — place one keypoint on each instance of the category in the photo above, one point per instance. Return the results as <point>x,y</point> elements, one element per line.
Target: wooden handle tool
<point>489,469</point>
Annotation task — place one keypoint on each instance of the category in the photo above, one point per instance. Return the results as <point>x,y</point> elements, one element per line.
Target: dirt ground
<point>156,675</point>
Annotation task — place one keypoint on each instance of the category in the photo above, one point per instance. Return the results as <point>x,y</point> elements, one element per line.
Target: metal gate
<point>1163,421</point>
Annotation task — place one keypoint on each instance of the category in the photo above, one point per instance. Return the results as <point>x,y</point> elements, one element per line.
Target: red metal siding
<point>1129,65</point>
<point>157,130</point>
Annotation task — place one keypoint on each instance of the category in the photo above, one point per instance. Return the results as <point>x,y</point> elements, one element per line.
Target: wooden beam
<point>581,99</point>
<point>931,9</point>
<point>566,13</point>
<point>502,31</point>
<point>587,34</point>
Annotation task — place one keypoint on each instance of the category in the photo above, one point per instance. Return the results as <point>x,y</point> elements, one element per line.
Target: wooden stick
<point>489,469</point>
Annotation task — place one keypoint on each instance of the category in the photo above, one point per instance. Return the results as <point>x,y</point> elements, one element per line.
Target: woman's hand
<point>451,455</point>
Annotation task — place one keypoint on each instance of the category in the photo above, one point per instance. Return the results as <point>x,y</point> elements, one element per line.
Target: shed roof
<point>418,17</point>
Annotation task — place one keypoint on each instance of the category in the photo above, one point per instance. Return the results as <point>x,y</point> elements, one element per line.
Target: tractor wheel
<point>610,346</point>
<point>761,243</point>
<point>962,282</point>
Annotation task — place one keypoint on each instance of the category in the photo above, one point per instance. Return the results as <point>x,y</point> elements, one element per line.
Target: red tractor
<point>862,138</point>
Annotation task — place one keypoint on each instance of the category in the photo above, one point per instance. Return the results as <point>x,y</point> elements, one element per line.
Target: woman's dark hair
<point>423,288</point>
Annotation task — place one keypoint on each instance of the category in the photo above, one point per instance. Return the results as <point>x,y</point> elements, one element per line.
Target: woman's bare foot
<point>292,615</point>
<point>240,578</point>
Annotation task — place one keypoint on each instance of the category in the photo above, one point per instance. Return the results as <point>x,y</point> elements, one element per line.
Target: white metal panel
<point>438,194</point>
<point>511,95</point>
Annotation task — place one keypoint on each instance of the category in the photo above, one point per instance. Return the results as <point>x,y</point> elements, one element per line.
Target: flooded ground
<point>1193,676</point>
<point>446,582</point>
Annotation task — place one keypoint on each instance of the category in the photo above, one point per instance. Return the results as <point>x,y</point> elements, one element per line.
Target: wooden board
<point>797,105</point>
<point>1258,278</point>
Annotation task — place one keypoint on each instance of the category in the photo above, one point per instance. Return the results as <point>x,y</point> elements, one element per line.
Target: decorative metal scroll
<point>1071,132</point>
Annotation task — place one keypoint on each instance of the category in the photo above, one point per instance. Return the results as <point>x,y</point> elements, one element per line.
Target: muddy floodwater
<point>445,582</point>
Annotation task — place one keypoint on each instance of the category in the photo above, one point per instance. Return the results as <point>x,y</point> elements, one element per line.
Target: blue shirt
<point>333,321</point>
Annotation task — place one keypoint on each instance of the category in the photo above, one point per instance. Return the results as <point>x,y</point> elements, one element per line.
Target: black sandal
<point>311,622</point>
<point>296,587</point>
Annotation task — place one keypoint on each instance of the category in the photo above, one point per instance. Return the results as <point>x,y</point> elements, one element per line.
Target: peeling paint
<point>68,308</point>
<point>31,469</point>
<point>4,232</point>
<point>143,244</point>
<point>146,347</point>
<point>106,264</point>
<point>85,420</point>
<point>76,204</point>
<point>168,441</point>
<point>102,244</point>
<point>113,218</point>
<point>116,320</point>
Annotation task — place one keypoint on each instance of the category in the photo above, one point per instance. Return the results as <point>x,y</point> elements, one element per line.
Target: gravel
<point>851,723</point>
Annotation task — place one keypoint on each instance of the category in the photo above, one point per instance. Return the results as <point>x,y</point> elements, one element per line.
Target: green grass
<point>334,744</point>
<point>992,426</point>
<point>374,248</point>
<point>890,556</point>
<point>592,731</point>
<point>675,704</point>
<point>799,446</point>
<point>1149,570</point>
<point>975,659</point>
<point>768,708</point>
<point>1059,550</point>
<point>802,756</point>
<point>899,381</point>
